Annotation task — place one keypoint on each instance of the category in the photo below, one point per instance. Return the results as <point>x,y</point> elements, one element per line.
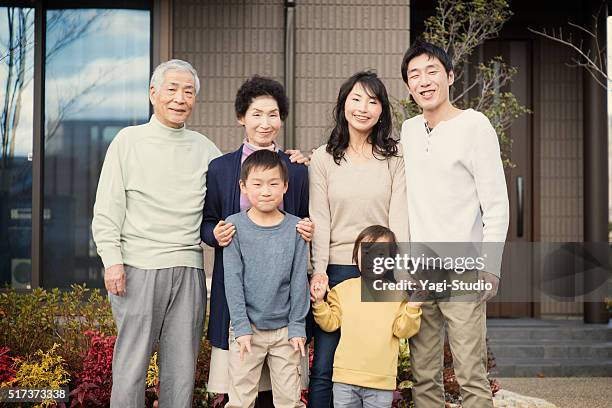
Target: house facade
<point>73,76</point>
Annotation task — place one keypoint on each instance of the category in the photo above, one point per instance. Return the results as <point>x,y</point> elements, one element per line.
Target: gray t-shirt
<point>266,281</point>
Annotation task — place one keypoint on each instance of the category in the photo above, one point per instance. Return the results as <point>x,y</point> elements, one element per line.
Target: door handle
<point>520,195</point>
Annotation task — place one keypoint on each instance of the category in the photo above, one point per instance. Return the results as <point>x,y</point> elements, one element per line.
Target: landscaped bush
<point>41,318</point>
<point>76,328</point>
<point>53,338</point>
<point>43,370</point>
<point>7,370</point>
<point>94,382</point>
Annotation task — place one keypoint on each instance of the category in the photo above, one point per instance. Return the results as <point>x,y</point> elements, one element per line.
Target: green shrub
<point>41,318</point>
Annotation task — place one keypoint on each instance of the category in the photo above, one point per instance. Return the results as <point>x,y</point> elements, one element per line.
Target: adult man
<point>146,227</point>
<point>456,193</point>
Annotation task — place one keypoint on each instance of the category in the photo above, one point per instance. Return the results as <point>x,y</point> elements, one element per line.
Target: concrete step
<point>552,367</point>
<point>551,349</point>
<point>597,333</point>
<point>529,347</point>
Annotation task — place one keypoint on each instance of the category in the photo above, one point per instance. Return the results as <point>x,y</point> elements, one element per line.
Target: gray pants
<point>165,305</point>
<point>354,396</point>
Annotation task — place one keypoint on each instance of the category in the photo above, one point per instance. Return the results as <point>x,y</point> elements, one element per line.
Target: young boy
<point>266,287</point>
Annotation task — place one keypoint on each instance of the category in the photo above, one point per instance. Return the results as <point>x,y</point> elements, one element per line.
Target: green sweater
<point>150,197</point>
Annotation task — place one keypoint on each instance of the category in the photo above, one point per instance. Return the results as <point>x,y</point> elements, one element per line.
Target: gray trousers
<point>165,305</point>
<point>354,396</point>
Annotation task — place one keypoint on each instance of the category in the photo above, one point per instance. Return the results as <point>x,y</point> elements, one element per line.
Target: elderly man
<point>146,227</point>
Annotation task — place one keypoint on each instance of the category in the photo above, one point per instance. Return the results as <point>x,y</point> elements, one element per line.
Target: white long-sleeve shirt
<point>150,197</point>
<point>455,180</point>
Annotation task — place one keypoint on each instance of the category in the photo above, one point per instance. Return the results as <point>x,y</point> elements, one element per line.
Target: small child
<point>365,363</point>
<point>266,286</point>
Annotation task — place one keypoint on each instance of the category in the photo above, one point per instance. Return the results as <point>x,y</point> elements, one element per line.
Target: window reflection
<point>96,82</point>
<point>16,97</point>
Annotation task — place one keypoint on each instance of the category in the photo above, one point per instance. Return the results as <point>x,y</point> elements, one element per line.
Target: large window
<point>16,97</point>
<point>96,82</point>
<point>95,69</point>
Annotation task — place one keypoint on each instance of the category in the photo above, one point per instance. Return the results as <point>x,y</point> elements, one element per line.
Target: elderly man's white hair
<point>157,79</point>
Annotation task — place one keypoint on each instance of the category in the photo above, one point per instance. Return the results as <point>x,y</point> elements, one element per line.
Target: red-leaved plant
<point>94,382</point>
<point>7,370</point>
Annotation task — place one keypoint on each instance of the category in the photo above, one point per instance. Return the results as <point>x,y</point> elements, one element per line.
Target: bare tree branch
<point>593,60</point>
<point>15,57</point>
<point>581,28</point>
<point>67,105</point>
<point>589,63</point>
<point>460,27</point>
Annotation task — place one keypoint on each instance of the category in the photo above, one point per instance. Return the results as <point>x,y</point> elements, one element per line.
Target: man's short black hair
<point>263,159</point>
<point>420,47</point>
<point>260,86</point>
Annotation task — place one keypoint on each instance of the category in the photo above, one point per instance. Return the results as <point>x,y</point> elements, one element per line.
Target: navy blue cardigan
<point>223,200</point>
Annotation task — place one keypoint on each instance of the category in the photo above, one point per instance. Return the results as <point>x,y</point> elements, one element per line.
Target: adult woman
<point>261,106</point>
<point>356,180</point>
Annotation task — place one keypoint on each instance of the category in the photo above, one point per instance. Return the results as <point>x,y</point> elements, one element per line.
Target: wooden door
<point>517,277</point>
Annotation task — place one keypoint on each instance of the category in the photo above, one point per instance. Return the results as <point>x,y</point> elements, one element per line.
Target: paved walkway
<point>571,392</point>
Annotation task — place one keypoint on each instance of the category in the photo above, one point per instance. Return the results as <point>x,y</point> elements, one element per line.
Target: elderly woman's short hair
<point>159,74</point>
<point>260,86</point>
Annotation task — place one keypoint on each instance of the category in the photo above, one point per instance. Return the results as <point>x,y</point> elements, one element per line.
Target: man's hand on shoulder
<point>114,280</point>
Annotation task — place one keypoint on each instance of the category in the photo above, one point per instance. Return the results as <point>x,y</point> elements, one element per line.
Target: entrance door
<point>517,279</point>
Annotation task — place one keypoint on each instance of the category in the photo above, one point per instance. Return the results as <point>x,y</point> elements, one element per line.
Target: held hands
<point>114,279</point>
<point>318,284</point>
<point>305,227</point>
<point>224,232</point>
<point>298,344</point>
<point>245,344</point>
<point>318,292</point>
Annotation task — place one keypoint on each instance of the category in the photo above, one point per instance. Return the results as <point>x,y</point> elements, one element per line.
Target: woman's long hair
<point>383,145</point>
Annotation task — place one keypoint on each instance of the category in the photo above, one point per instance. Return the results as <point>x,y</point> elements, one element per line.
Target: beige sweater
<point>150,197</point>
<point>346,198</point>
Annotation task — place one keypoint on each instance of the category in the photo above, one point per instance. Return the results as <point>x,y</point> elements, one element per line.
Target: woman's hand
<point>296,156</point>
<point>224,233</point>
<point>305,227</point>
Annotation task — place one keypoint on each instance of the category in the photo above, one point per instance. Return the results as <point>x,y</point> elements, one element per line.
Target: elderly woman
<point>261,107</point>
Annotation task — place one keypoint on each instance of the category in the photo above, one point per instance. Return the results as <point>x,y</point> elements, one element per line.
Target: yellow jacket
<point>369,342</point>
